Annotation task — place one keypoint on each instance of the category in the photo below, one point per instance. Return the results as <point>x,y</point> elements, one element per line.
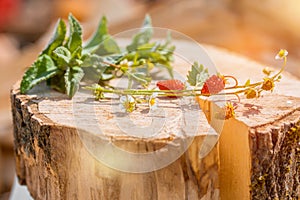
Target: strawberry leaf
<point>198,75</point>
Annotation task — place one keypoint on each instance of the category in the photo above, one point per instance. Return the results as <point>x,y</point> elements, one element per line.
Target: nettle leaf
<point>96,68</point>
<point>75,38</point>
<point>76,58</point>
<point>76,54</point>
<point>40,70</point>
<point>57,39</point>
<point>93,60</point>
<point>198,75</point>
<point>108,46</point>
<point>73,77</point>
<point>143,36</point>
<point>101,42</point>
<point>63,55</point>
<point>97,38</point>
<point>57,82</point>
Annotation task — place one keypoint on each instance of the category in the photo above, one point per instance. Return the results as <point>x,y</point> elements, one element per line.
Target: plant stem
<point>232,90</point>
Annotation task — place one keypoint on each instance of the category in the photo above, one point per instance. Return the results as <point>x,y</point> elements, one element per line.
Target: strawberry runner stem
<point>236,89</point>
<point>160,93</point>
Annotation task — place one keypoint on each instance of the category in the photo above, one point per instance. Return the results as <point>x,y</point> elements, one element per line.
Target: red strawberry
<point>213,85</point>
<point>173,84</point>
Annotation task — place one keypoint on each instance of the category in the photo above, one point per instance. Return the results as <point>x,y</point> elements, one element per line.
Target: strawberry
<point>173,84</point>
<point>213,85</point>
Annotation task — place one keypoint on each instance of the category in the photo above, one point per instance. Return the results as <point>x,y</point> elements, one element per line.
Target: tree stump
<point>259,148</point>
<point>257,157</point>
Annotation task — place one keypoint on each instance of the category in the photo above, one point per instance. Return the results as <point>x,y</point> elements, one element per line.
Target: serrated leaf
<point>97,38</point>
<point>76,59</point>
<point>143,36</point>
<point>40,70</point>
<point>198,75</point>
<point>108,46</point>
<point>101,42</point>
<point>74,40</point>
<point>57,39</point>
<point>72,78</point>
<point>63,55</point>
<point>76,54</point>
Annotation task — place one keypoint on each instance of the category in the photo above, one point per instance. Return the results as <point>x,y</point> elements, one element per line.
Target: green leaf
<point>97,38</point>
<point>198,75</point>
<point>63,55</point>
<point>143,36</point>
<point>76,54</point>
<point>75,39</point>
<point>57,82</point>
<point>139,77</point>
<point>101,42</point>
<point>93,60</point>
<point>57,39</point>
<point>108,46</point>
<point>42,69</point>
<point>247,83</point>
<point>73,77</point>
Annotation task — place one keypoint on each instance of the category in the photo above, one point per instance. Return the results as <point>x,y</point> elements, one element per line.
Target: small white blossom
<point>281,54</point>
<point>127,103</point>
<point>152,102</point>
<point>127,63</point>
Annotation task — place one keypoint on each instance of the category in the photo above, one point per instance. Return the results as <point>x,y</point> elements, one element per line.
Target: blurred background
<point>254,28</point>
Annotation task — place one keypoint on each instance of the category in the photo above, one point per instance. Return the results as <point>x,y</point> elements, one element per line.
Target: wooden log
<point>54,162</point>
<point>59,154</point>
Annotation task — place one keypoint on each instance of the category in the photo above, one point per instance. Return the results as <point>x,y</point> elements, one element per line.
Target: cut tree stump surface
<point>57,143</point>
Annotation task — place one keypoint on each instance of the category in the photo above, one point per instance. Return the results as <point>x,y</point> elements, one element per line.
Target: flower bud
<point>268,84</point>
<point>251,93</point>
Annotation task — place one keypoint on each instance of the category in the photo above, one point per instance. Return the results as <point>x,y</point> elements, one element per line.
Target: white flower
<point>152,102</point>
<point>281,54</point>
<point>126,63</point>
<point>127,103</point>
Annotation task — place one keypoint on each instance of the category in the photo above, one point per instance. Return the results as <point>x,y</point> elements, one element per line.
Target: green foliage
<point>75,38</point>
<point>63,56</point>
<point>42,69</point>
<point>65,62</point>
<point>73,77</point>
<point>143,37</point>
<point>57,39</point>
<point>198,75</point>
<point>101,42</point>
<point>59,62</point>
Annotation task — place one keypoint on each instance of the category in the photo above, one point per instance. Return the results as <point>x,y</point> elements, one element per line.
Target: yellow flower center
<point>152,101</point>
